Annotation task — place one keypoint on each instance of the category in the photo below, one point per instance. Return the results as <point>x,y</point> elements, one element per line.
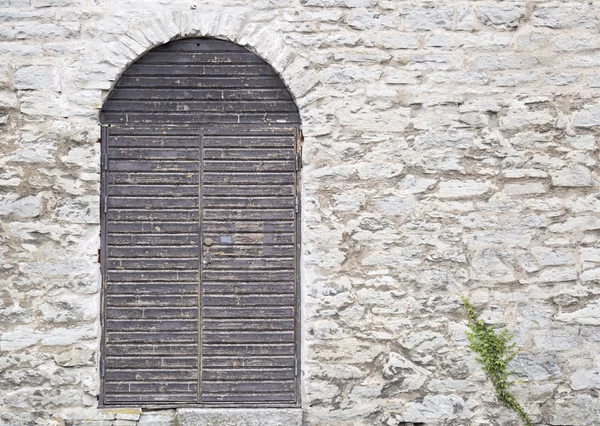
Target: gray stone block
<point>239,417</point>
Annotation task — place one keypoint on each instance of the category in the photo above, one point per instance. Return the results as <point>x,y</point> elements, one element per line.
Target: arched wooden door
<point>200,231</point>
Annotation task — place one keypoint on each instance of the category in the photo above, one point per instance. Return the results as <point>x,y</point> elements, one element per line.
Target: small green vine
<point>495,353</point>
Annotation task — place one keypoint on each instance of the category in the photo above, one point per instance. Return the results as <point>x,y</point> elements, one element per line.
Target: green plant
<point>495,352</point>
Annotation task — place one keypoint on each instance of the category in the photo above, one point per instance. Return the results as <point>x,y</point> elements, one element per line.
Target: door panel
<point>151,260</point>
<point>248,263</point>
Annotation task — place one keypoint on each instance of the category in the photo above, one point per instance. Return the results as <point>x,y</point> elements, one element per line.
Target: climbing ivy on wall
<point>495,352</point>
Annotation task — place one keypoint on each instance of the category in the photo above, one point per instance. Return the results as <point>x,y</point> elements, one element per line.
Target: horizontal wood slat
<point>237,94</point>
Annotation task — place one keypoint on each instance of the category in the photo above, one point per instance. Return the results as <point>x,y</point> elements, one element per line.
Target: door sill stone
<point>239,417</point>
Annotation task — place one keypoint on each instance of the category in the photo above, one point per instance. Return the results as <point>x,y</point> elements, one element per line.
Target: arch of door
<point>200,231</point>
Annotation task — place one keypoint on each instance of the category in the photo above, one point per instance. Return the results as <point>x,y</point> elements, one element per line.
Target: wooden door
<point>200,219</point>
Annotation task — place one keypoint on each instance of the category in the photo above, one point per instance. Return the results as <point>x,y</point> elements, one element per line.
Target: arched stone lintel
<point>125,44</point>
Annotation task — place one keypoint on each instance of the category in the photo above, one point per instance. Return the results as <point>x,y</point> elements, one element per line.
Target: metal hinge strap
<point>297,204</point>
<point>296,367</point>
<point>102,368</point>
<point>105,203</point>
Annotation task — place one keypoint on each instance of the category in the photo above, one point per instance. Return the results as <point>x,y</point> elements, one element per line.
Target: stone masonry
<point>451,149</point>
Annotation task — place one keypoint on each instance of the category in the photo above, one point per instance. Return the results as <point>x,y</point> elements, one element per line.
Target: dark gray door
<point>200,231</point>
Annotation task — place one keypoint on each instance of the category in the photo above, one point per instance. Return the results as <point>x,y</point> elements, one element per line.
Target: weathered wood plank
<point>223,311</point>
<point>150,178</point>
<point>249,166</point>
<point>154,227</point>
<point>152,239</point>
<point>196,82</point>
<point>251,250</point>
<point>246,202</point>
<point>156,141</point>
<point>248,239</point>
<point>229,227</point>
<point>249,153</point>
<point>245,275</point>
<point>247,325</point>
<point>249,397</point>
<point>196,70</point>
<point>151,375</point>
<point>248,214</point>
<point>145,290</point>
<point>274,349</point>
<point>247,387</point>
<point>262,263</point>
<point>247,288</point>
<point>249,141</point>
<point>157,337</point>
<point>194,57</point>
<point>140,264</point>
<point>174,118</point>
<point>249,190</point>
<point>249,362</point>
<point>152,298</point>
<point>150,350</point>
<point>153,203</point>
<point>114,215</point>
<point>248,178</point>
<point>154,166</point>
<point>220,107</point>
<point>202,95</point>
<point>146,398</point>
<point>154,190</point>
<point>247,374</point>
<point>153,154</point>
<point>197,44</point>
<point>151,276</point>
<point>152,362</point>
<point>152,313</point>
<point>161,388</point>
<point>161,252</point>
<point>152,325</point>
<point>247,300</point>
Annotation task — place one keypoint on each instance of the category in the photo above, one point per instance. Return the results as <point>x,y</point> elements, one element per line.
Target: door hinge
<point>298,162</point>
<point>105,161</point>
<point>296,367</point>
<point>102,368</point>
<point>105,203</point>
<point>297,202</point>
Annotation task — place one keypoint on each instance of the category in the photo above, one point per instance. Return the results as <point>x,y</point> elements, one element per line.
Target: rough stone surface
<point>451,148</point>
<point>235,417</point>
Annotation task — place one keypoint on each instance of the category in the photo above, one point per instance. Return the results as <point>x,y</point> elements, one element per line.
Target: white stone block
<point>502,15</point>
<point>37,77</point>
<point>573,176</point>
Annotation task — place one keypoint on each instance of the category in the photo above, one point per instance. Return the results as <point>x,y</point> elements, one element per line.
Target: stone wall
<point>451,148</point>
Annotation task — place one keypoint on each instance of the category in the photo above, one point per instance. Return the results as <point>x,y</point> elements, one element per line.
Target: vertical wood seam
<point>200,256</point>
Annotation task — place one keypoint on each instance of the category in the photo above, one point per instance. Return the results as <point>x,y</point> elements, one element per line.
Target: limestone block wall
<point>451,147</point>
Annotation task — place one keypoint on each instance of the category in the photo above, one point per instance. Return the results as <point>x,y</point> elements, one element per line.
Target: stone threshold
<point>239,417</point>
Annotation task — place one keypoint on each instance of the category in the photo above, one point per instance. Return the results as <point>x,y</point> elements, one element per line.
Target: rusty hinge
<point>99,141</point>
<point>99,256</point>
